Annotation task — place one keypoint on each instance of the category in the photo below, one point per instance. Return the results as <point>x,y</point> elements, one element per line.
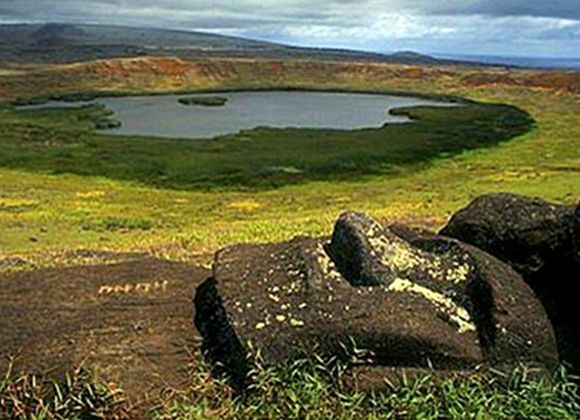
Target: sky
<point>533,28</point>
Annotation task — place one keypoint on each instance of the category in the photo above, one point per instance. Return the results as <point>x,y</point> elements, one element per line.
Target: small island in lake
<point>203,101</point>
<point>107,124</point>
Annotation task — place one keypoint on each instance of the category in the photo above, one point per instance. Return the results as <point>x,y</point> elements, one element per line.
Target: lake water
<point>164,116</point>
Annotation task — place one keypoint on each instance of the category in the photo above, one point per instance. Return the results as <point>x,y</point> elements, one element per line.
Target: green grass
<point>112,223</point>
<point>79,396</point>
<point>43,214</point>
<point>311,388</point>
<point>319,389</point>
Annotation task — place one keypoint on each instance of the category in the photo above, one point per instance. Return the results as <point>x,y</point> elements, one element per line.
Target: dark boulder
<point>576,235</point>
<point>530,234</point>
<point>433,302</point>
<point>540,241</point>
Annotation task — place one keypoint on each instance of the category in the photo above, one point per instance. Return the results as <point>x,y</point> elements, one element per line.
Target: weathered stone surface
<point>433,301</point>
<point>130,321</point>
<point>540,241</point>
<point>352,248</point>
<point>511,321</point>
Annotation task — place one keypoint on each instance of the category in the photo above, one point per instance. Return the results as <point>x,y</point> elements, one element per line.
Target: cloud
<point>565,9</point>
<point>520,26</point>
<point>273,10</point>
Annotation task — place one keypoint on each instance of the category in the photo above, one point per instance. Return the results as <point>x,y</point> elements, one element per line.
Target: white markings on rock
<point>456,313</point>
<point>326,265</point>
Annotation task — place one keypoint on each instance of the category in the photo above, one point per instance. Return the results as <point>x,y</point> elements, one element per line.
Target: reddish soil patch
<point>554,80</point>
<point>130,321</point>
<point>170,67</point>
<point>483,79</point>
<point>569,81</point>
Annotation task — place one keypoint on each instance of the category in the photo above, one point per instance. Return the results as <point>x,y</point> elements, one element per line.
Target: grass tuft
<point>79,396</point>
<point>317,389</point>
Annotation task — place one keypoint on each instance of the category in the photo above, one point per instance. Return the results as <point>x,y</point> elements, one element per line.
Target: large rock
<point>411,300</point>
<point>576,235</point>
<point>533,236</point>
<point>539,240</point>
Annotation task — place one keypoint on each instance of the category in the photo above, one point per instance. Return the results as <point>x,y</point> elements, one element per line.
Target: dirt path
<point>131,321</point>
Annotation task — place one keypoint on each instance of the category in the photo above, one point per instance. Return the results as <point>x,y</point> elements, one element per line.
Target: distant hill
<point>66,43</point>
<point>527,62</point>
<point>414,58</point>
<point>55,30</point>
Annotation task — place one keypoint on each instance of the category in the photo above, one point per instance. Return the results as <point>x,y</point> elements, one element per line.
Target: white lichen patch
<point>395,253</point>
<point>455,312</point>
<point>280,318</point>
<point>260,325</point>
<point>326,265</point>
<point>292,288</point>
<point>458,274</point>
<point>399,256</point>
<point>296,322</point>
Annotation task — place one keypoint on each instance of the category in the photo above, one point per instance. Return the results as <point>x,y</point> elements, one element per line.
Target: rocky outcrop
<point>539,240</point>
<point>411,299</point>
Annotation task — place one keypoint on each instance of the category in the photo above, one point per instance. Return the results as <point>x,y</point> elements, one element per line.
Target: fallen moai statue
<point>541,241</point>
<point>412,299</point>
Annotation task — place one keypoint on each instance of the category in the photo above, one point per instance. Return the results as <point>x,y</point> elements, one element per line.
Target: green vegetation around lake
<point>203,101</point>
<point>59,140</point>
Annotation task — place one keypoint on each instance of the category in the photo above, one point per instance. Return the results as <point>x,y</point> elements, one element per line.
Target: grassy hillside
<point>44,216</point>
<point>38,44</point>
<point>171,74</point>
<point>61,43</point>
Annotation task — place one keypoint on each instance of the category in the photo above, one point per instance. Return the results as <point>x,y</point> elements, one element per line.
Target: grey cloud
<point>282,9</point>
<point>518,25</point>
<point>564,9</point>
<point>196,13</point>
